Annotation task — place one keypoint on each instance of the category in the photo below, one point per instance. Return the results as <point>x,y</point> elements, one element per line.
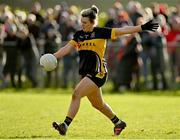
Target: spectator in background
<point>51,45</point>
<point>35,25</point>
<point>154,52</point>
<point>111,18</point>
<point>35,10</point>
<point>29,56</point>
<point>122,55</point>
<point>33,28</point>
<point>148,14</point>
<point>70,61</point>
<point>117,6</point>
<point>52,41</point>
<point>122,19</point>
<point>163,9</point>
<point>12,65</point>
<point>49,21</point>
<point>57,12</point>
<point>112,49</point>
<point>134,9</point>
<point>145,54</point>
<point>173,42</point>
<point>164,24</point>
<point>67,27</point>
<point>128,55</point>
<point>158,51</point>
<point>155,9</point>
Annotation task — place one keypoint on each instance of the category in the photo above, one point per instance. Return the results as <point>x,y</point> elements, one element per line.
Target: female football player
<point>90,43</point>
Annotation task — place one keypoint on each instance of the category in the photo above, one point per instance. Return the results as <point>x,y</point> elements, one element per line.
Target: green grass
<point>28,114</point>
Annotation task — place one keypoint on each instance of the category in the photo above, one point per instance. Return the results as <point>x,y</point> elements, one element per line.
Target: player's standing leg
<point>84,88</point>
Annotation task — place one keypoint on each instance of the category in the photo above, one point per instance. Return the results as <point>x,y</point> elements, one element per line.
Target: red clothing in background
<point>172,37</point>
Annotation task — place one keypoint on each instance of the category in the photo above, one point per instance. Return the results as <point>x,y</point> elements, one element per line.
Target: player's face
<point>87,26</point>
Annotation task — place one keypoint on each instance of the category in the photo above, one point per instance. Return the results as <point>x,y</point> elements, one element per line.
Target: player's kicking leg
<point>97,102</point>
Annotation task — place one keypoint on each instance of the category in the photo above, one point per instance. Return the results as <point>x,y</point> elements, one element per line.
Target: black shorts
<point>98,81</point>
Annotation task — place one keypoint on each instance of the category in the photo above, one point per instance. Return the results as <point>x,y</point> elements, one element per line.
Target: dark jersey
<point>91,47</point>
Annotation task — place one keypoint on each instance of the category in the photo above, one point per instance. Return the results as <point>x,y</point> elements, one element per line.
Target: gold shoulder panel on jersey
<point>74,44</point>
<point>113,33</point>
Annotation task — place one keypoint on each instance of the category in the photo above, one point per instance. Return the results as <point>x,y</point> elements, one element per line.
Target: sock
<point>115,120</point>
<point>68,121</point>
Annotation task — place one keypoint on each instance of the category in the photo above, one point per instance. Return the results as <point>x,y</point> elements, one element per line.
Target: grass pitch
<point>28,114</point>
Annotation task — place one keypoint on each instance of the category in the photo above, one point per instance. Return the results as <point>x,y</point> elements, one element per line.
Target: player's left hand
<point>150,26</point>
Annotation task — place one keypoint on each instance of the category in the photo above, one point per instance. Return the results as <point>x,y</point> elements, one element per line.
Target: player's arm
<point>150,26</point>
<point>127,30</point>
<point>64,50</point>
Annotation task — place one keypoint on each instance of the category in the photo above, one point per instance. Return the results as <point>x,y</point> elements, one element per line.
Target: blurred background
<point>143,61</point>
<point>102,4</point>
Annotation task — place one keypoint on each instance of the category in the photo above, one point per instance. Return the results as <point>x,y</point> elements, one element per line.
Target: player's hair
<point>91,13</point>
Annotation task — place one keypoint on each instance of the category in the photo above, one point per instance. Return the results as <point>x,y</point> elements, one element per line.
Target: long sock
<point>68,121</point>
<point>115,120</point>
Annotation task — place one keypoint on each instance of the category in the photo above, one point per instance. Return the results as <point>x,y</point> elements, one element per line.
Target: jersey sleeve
<point>108,33</point>
<point>113,35</point>
<point>74,41</point>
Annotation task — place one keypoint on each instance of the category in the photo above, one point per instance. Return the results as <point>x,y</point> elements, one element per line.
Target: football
<point>48,62</point>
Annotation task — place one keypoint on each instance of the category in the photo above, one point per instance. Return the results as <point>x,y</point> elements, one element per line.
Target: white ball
<point>48,61</point>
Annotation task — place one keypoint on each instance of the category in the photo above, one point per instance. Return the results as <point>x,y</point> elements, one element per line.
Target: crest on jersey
<point>93,35</point>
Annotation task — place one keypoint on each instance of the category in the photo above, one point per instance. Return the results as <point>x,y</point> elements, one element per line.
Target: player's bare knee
<point>74,97</point>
